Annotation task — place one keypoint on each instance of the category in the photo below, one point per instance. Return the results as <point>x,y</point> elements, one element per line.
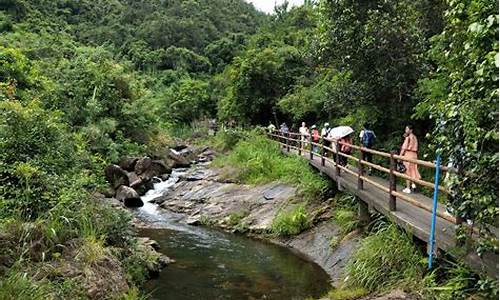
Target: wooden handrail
<point>392,192</point>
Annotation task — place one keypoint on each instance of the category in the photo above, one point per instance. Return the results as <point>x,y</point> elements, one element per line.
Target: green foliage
<point>381,43</point>
<point>226,140</point>
<point>293,222</point>
<point>455,281</point>
<point>21,286</point>
<point>347,294</point>
<point>187,100</point>
<point>462,98</point>
<point>259,161</point>
<point>235,218</point>
<point>385,259</point>
<point>347,220</point>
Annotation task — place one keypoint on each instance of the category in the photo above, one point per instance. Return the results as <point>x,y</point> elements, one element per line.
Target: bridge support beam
<point>363,212</point>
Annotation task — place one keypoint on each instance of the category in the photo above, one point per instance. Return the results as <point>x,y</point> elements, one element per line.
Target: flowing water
<point>211,264</point>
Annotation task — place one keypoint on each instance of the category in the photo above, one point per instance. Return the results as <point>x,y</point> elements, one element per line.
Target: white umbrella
<point>340,131</point>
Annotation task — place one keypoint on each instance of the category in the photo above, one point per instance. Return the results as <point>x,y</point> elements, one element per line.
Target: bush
<point>292,222</point>
<point>384,260</point>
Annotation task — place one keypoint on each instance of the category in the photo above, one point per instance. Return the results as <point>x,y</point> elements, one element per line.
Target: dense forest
<point>85,83</point>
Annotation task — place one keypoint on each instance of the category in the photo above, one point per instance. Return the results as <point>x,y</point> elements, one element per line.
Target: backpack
<point>368,139</point>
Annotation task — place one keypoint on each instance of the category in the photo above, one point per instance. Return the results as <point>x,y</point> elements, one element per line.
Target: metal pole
<point>434,209</point>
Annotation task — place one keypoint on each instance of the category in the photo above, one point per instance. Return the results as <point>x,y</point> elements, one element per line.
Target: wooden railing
<point>299,142</point>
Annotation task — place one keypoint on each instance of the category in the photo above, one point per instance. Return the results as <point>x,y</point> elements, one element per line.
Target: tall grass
<point>292,222</point>
<point>259,160</point>
<point>386,259</point>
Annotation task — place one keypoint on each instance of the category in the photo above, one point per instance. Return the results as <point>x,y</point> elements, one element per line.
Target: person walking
<point>367,138</point>
<point>315,138</point>
<point>345,147</point>
<point>271,128</point>
<point>409,149</point>
<point>304,133</point>
<point>325,133</point>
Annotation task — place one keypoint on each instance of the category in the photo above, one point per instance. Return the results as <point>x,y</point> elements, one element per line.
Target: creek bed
<point>211,264</point>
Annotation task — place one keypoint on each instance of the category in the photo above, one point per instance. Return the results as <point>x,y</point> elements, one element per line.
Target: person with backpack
<point>367,137</point>
<point>315,138</point>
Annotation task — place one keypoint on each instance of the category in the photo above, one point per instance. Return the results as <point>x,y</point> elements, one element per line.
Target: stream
<point>212,264</point>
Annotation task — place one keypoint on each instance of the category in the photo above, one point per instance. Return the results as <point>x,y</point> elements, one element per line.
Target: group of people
<point>367,137</point>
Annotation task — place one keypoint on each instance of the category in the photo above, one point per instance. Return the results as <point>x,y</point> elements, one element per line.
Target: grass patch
<point>292,222</point>
<point>450,280</point>
<point>347,294</point>
<point>346,219</point>
<point>386,259</point>
<point>260,161</point>
<point>234,219</point>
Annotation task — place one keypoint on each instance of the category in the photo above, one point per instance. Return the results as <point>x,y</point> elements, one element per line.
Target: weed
<point>450,280</point>
<point>334,242</point>
<point>346,219</point>
<point>91,251</point>
<point>292,222</point>
<point>206,221</point>
<point>234,219</point>
<point>385,259</point>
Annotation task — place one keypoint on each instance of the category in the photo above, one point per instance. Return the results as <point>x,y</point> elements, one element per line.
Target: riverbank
<point>206,196</point>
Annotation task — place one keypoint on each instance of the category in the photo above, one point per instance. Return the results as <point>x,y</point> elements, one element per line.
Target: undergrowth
<point>385,259</point>
<point>260,161</point>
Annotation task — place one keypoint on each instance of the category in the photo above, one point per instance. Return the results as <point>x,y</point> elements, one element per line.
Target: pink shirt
<point>410,144</point>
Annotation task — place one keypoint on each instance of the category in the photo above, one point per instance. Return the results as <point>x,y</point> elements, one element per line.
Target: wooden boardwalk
<point>413,218</point>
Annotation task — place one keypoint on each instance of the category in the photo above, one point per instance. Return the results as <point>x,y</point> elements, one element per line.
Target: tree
<point>461,96</point>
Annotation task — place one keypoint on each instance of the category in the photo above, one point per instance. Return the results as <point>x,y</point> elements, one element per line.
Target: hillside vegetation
<point>85,83</point>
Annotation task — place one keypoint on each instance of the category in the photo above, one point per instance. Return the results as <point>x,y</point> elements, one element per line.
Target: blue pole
<point>434,209</point>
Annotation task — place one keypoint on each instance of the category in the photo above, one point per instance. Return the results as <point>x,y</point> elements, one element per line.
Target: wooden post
<point>337,157</point>
<point>312,147</point>
<point>323,152</point>
<point>300,145</point>
<point>360,171</point>
<point>287,137</point>
<point>392,183</point>
<point>363,213</point>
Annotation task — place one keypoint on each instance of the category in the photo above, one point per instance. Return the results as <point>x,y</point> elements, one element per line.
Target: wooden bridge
<point>410,211</point>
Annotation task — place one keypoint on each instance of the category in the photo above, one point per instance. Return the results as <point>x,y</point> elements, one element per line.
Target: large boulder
<point>133,179</point>
<point>128,164</point>
<point>116,176</point>
<point>142,165</point>
<point>156,168</point>
<point>144,187</point>
<point>129,196</point>
<point>177,160</point>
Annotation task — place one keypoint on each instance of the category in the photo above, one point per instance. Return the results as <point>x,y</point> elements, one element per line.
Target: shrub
<point>292,222</point>
<point>385,259</point>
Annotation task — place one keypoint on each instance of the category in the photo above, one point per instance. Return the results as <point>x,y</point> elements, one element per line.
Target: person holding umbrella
<point>342,134</point>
